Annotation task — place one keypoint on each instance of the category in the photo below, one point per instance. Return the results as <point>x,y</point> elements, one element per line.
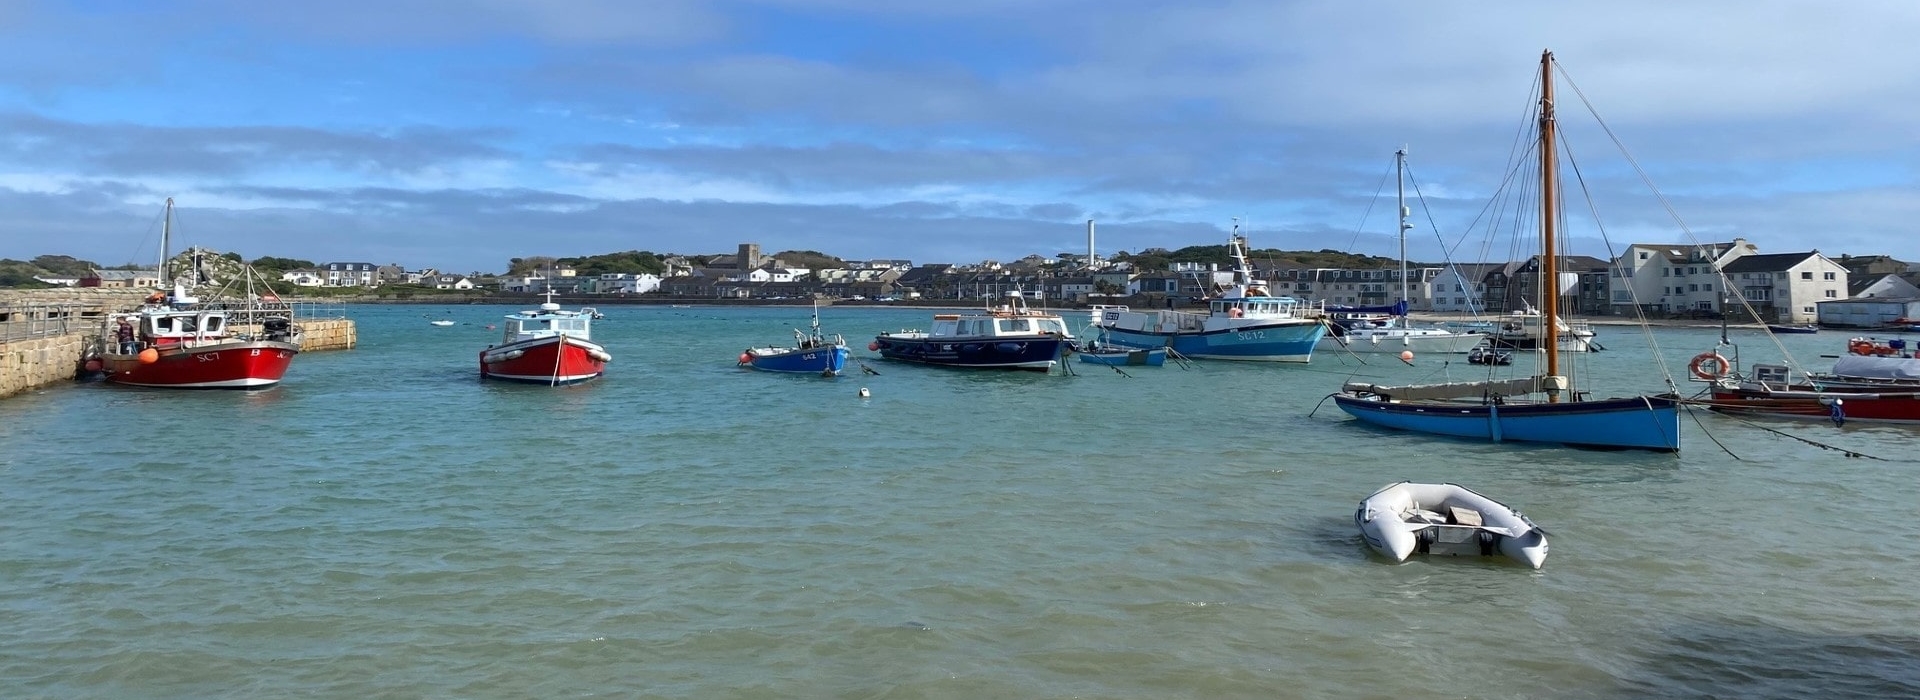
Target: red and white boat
<point>180,347</point>
<point>546,346</point>
<point>1877,380</point>
<point>173,342</point>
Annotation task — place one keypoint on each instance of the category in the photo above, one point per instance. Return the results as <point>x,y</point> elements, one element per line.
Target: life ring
<point>1709,366</point>
<point>1860,347</point>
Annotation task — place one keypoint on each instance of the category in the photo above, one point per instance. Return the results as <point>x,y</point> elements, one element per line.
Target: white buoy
<point>864,393</point>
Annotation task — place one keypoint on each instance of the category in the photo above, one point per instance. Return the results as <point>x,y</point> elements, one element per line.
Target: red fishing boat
<point>172,341</point>
<point>1877,380</point>
<point>546,346</point>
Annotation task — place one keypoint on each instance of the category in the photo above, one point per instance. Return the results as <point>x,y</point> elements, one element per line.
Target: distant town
<point>1658,279</point>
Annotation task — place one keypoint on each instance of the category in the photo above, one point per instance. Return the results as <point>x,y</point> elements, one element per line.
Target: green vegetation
<point>268,264</point>
<point>1161,259</point>
<point>19,274</point>
<point>632,262</point>
<point>810,259</point>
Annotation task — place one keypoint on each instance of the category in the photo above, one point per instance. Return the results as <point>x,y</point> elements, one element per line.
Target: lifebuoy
<point>1709,366</point>
<point>1860,347</point>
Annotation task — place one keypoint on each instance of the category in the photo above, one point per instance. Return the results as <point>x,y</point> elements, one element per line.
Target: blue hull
<point>1144,357</point>
<point>828,360</point>
<point>1280,343</point>
<point>1037,353</point>
<point>1641,423</point>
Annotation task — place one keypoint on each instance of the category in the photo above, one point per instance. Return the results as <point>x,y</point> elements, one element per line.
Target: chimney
<point>1089,243</point>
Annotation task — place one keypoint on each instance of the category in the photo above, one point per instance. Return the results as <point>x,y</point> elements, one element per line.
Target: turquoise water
<point>383,525</point>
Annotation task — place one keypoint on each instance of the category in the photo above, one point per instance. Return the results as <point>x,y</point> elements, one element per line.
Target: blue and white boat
<point>1541,408</point>
<point>1243,323</point>
<point>1009,336</point>
<point>812,352</point>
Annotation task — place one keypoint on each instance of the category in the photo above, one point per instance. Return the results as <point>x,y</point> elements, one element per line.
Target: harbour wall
<point>328,334</point>
<point>36,362</point>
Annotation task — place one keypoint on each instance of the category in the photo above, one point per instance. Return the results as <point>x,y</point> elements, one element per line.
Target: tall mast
<point>1400,196</point>
<point>1549,218</point>
<point>166,230</point>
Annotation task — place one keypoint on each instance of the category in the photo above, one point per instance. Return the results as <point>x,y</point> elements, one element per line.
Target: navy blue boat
<point>1003,337</point>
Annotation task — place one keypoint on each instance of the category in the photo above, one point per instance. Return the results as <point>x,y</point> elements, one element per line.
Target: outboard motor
<point>277,328</point>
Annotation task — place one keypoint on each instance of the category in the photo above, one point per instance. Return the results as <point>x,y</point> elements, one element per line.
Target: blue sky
<point>456,135</point>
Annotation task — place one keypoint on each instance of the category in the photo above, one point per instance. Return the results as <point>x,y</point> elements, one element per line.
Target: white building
<point>304,278</point>
<point>1885,301</point>
<point>1788,287</point>
<point>624,283</point>
<point>1672,277</point>
<point>351,274</point>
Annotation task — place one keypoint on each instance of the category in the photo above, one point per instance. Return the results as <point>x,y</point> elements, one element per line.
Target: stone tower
<point>749,257</point>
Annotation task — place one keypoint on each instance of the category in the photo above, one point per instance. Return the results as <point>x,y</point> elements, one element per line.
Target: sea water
<point>384,524</point>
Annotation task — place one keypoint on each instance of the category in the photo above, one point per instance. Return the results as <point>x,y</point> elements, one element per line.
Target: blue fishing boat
<point>1009,336</point>
<point>1541,408</point>
<point>1242,323</point>
<point>812,352</point>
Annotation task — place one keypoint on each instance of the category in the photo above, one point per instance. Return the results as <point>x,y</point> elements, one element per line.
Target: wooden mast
<point>1549,218</point>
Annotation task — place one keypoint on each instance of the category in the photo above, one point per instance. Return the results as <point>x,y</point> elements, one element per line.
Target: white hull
<point>1404,518</point>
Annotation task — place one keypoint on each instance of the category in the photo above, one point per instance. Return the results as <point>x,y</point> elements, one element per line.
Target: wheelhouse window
<point>1015,325</point>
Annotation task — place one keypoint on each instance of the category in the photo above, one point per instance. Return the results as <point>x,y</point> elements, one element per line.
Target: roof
<point>1771,262</point>
<point>125,274</point>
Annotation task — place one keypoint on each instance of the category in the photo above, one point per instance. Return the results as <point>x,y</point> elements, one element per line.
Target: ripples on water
<point>383,524</point>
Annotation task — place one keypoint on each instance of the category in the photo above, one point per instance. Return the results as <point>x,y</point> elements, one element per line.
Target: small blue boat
<point>1004,337</point>
<point>1806,328</point>
<point>1121,356</point>
<point>811,353</point>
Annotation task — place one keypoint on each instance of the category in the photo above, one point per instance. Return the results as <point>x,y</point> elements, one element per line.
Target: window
<point>1643,255</point>
<point>1829,276</point>
<point>1832,294</point>
<point>1708,287</point>
<point>1665,271</point>
<point>1693,287</point>
<point>1780,275</point>
<point>1693,270</point>
<point>1806,309</point>
<point>1806,275</point>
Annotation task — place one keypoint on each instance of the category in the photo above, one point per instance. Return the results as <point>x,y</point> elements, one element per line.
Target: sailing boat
<point>1508,410</point>
<point>172,341</point>
<point>1398,335</point>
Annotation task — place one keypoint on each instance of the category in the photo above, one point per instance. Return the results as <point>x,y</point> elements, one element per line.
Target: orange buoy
<point>874,346</point>
<point>1406,355</point>
<point>149,356</point>
<point>746,358</point>
<point>1709,366</point>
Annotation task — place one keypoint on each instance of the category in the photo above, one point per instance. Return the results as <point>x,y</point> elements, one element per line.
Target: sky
<point>458,134</point>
